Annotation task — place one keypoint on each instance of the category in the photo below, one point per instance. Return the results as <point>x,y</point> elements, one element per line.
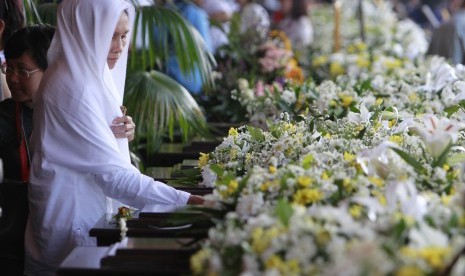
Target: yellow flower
<point>272,169</point>
<point>307,196</point>
<point>379,101</point>
<point>233,132</point>
<point>356,211</point>
<point>304,181</point>
<point>319,61</point>
<point>347,184</point>
<point>203,160</point>
<point>233,154</point>
<point>396,139</point>
<point>393,64</point>
<point>336,69</point>
<point>413,97</point>
<point>435,256</point>
<point>325,175</point>
<point>275,262</point>
<point>322,237</point>
<point>198,261</point>
<point>232,187</point>
<point>409,271</point>
<point>261,238</point>
<point>349,157</point>
<point>264,187</point>
<point>346,100</point>
<point>363,62</point>
<point>292,267</point>
<point>446,199</point>
<point>392,123</point>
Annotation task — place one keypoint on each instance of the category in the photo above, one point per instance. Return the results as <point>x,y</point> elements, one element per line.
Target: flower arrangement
<point>124,213</point>
<point>358,173</point>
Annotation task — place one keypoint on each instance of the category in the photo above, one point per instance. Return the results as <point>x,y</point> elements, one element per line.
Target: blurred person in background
<point>448,40</point>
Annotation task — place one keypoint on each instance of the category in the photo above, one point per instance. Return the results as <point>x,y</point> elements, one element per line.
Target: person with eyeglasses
<point>11,19</point>
<point>26,51</point>
<point>26,54</point>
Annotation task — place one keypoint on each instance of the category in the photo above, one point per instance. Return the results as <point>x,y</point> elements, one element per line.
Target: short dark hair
<point>34,40</point>
<point>299,9</point>
<point>11,13</point>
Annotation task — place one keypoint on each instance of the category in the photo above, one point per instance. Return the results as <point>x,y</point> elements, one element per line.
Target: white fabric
<point>255,17</point>
<point>218,36</point>
<point>77,161</point>
<point>299,31</point>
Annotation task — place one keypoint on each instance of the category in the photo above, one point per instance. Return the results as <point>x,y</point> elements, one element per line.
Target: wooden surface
<point>134,256</point>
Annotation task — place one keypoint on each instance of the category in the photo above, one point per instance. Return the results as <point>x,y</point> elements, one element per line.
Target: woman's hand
<point>195,200</point>
<point>123,127</point>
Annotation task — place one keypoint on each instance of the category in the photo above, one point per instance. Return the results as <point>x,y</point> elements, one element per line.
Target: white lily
<point>360,118</point>
<point>440,75</point>
<point>438,133</point>
<point>380,160</point>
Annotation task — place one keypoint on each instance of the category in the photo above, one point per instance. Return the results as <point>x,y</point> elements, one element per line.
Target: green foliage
<point>284,211</point>
<point>159,104</point>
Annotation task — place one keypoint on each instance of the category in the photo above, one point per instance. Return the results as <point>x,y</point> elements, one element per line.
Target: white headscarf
<point>76,159</point>
<point>79,81</point>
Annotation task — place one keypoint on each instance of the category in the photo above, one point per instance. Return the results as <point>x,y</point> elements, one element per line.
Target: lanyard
<point>24,162</point>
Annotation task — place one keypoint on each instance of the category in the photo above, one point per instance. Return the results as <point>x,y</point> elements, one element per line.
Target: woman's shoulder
<point>7,106</point>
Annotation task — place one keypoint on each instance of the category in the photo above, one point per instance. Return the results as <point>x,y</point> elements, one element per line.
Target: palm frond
<point>31,15</point>
<point>47,13</point>
<point>161,32</point>
<point>158,105</point>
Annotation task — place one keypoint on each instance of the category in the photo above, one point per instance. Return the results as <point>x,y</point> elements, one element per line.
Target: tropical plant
<point>159,105</point>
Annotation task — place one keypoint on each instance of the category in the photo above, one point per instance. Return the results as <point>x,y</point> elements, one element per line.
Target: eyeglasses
<point>18,72</point>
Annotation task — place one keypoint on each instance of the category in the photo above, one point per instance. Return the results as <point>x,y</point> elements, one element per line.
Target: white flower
<point>243,84</point>
<point>209,177</point>
<point>440,75</point>
<point>288,97</point>
<point>425,236</point>
<point>380,160</point>
<point>437,133</point>
<point>249,205</point>
<point>360,118</point>
<point>404,195</point>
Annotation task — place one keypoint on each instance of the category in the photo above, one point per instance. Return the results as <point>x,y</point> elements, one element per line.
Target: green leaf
<point>307,161</point>
<point>410,160</point>
<point>451,110</point>
<point>462,104</point>
<point>157,104</point>
<point>174,36</point>
<point>256,133</point>
<point>217,169</point>
<point>456,159</point>
<point>284,211</point>
<point>441,160</point>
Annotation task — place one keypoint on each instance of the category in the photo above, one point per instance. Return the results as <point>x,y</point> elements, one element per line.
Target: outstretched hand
<point>195,200</point>
<point>123,127</point>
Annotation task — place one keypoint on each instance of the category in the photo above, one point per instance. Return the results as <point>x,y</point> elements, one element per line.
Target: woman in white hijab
<point>77,161</point>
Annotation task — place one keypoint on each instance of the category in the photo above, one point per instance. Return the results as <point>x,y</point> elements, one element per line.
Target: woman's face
<point>118,40</point>
<point>23,77</point>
